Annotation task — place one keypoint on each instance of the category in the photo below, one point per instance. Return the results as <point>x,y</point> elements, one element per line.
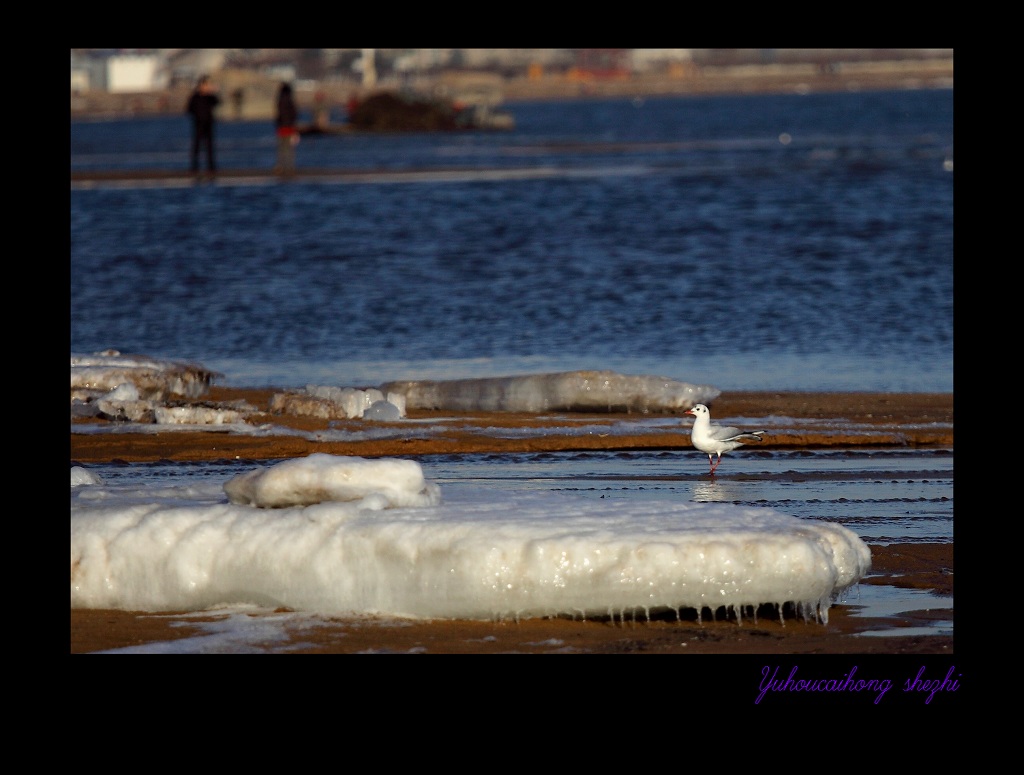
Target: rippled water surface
<point>883,496</point>
<point>790,242</point>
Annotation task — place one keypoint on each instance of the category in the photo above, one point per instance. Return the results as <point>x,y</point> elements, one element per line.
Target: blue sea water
<point>789,242</point>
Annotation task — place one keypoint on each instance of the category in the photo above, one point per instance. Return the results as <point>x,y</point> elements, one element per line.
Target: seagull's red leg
<point>716,464</point>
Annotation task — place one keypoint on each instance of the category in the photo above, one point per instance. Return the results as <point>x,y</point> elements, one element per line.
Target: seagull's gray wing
<point>728,433</point>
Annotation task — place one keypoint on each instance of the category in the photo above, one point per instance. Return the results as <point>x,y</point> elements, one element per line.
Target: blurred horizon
<point>127,82</point>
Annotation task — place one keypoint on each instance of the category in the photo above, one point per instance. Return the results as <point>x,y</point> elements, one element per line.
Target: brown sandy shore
<point>881,419</point>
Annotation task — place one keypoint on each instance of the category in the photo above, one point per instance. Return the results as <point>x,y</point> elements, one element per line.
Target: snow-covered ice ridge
<point>570,391</point>
<point>342,535</point>
<point>140,389</point>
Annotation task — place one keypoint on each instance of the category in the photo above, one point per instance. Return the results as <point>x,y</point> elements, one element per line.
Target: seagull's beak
<point>689,411</point>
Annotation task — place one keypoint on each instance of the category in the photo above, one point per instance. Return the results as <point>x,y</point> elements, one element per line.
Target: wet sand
<point>883,420</point>
<point>811,420</point>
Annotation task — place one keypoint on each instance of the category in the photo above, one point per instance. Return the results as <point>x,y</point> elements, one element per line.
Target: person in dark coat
<point>201,105</point>
<point>286,130</point>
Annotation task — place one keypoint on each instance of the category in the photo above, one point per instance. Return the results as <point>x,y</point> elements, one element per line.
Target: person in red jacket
<point>201,106</point>
<point>287,133</point>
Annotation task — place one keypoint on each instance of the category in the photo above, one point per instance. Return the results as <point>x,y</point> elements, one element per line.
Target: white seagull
<point>712,438</point>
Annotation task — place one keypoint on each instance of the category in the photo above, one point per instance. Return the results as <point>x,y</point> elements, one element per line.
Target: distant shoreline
<point>695,82</point>
<point>798,79</point>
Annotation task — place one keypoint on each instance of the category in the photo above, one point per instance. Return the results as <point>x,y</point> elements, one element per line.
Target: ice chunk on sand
<point>154,379</point>
<point>320,477</point>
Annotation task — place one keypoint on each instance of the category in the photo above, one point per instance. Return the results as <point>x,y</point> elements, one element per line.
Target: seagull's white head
<point>697,410</point>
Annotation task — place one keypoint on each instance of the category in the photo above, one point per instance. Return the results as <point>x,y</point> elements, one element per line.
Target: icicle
<point>823,606</point>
